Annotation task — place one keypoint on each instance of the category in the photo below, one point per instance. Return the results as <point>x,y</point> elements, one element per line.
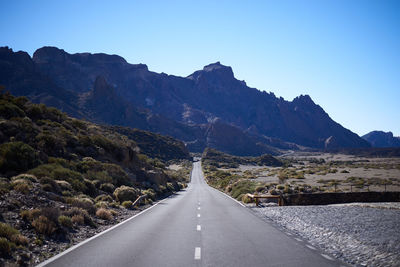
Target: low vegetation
<point>310,173</point>
<point>59,174</point>
<point>222,160</point>
<point>237,185</point>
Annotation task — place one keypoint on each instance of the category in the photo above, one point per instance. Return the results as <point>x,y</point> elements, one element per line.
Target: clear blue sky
<point>344,54</point>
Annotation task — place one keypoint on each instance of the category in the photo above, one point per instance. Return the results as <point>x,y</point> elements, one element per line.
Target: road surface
<point>199,226</point>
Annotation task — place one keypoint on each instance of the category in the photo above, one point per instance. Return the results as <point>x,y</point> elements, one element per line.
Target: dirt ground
<point>329,172</point>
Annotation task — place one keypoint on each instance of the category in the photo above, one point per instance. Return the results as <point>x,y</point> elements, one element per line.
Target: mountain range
<point>382,139</point>
<point>209,108</point>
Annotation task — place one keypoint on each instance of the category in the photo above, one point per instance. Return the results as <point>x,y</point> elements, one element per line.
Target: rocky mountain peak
<point>20,57</point>
<point>219,68</point>
<point>216,70</point>
<point>382,139</point>
<point>305,99</point>
<point>49,54</point>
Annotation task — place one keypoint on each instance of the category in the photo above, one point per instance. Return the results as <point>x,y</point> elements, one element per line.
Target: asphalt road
<point>196,227</point>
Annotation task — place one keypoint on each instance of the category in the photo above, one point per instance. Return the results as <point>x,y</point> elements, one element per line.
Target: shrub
<point>22,188</point>
<point>30,215</point>
<point>170,187</point>
<point>63,185</point>
<point>103,198</point>
<point>8,231</point>
<point>80,212</point>
<point>246,199</point>
<point>65,221</point>
<point>90,188</point>
<point>118,175</point>
<point>9,110</point>
<point>20,240</point>
<point>5,186</point>
<point>25,176</point>
<point>127,204</point>
<point>17,157</point>
<point>44,226</point>
<point>50,213</point>
<point>5,247</point>
<point>104,214</point>
<point>151,194</point>
<point>84,203</point>
<point>78,219</point>
<point>101,204</point>
<point>124,193</point>
<point>107,187</point>
<point>242,187</point>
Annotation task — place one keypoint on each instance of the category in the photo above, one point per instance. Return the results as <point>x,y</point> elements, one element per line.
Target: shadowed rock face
<point>185,108</point>
<point>382,139</point>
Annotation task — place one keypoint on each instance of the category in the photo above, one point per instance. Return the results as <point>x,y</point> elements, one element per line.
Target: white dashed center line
<point>327,257</point>
<point>198,215</point>
<point>197,253</point>
<point>310,247</point>
<point>198,208</point>
<point>198,227</point>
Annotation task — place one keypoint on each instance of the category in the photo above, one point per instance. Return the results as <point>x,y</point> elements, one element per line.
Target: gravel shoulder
<point>361,234</point>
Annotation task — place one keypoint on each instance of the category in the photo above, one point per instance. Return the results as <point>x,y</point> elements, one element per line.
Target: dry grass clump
<point>22,188</point>
<point>44,226</point>
<point>77,213</point>
<point>11,234</point>
<point>78,219</point>
<point>45,221</point>
<point>104,214</point>
<point>124,193</point>
<point>65,221</point>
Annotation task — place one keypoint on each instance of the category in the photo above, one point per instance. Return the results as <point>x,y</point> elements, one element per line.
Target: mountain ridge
<point>382,139</point>
<point>189,104</point>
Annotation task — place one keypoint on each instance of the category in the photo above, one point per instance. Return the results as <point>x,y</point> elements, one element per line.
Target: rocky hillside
<point>60,177</point>
<point>382,139</point>
<point>183,107</point>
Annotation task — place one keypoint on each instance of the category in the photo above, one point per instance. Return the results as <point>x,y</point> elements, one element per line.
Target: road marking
<point>198,227</point>
<point>197,253</point>
<point>198,208</point>
<point>298,239</point>
<point>199,203</point>
<point>198,215</point>
<point>289,234</point>
<point>311,247</point>
<point>327,257</point>
<point>95,236</point>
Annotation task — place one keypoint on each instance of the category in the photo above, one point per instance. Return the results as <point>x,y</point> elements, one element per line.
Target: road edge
<point>237,201</point>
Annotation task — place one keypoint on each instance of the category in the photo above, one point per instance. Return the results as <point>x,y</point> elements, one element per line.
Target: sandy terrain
<point>323,171</point>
